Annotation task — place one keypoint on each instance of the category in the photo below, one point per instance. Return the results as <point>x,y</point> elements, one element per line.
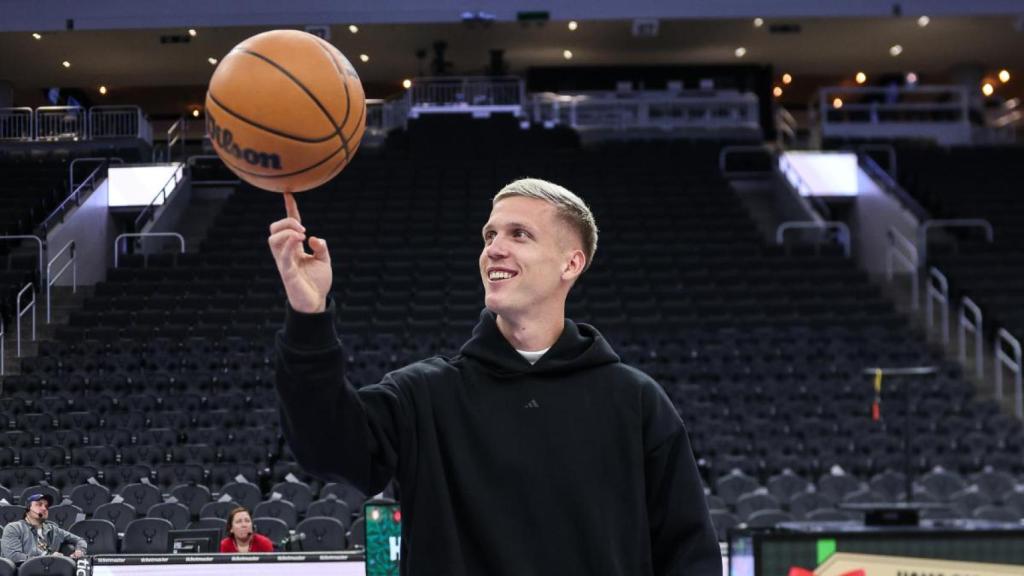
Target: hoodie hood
<point>579,347</point>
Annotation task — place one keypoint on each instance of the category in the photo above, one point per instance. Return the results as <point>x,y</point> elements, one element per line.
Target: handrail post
<point>52,279</point>
<point>938,291</point>
<point>1013,364</point>
<point>905,252</point>
<point>117,241</point>
<point>975,326</point>
<point>19,312</point>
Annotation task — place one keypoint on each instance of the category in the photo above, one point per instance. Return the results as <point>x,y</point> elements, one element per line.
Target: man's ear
<point>574,265</point>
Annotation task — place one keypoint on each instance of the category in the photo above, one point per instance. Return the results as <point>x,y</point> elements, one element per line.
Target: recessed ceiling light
<point>192,32</point>
<point>861,77</point>
<point>758,22</point>
<point>1004,76</point>
<point>573,25</point>
<point>406,83</point>
<point>787,78</point>
<point>567,54</point>
<point>353,28</point>
<point>741,52</point>
<point>987,89</point>
<point>66,64</point>
<point>923,21</point>
<point>364,57</point>
<point>37,35</point>
<point>195,112</point>
<point>837,103</point>
<point>895,50</point>
<point>103,90</point>
<point>911,78</point>
<point>212,61</point>
<point>777,91</point>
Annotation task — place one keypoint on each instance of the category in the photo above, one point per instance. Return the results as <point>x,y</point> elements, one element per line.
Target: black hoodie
<point>576,465</point>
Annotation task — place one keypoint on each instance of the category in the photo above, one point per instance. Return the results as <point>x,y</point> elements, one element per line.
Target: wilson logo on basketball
<point>225,140</point>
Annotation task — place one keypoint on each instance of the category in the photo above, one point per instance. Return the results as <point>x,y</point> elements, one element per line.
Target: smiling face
<point>530,258</point>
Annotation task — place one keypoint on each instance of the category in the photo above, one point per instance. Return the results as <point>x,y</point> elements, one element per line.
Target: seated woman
<point>241,538</point>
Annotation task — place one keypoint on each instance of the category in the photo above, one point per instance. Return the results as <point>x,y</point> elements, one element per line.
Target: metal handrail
<point>3,352</point>
<point>140,220</point>
<point>909,260</point>
<point>175,134</point>
<point>975,326</point>
<point>80,124</point>
<point>841,227</point>
<point>76,191</point>
<point>21,312</point>
<point>889,150</point>
<point>1013,364</point>
<point>922,232</point>
<point>117,241</point>
<point>71,169</point>
<point>30,125</point>
<point>39,242</point>
<point>736,148</point>
<point>938,291</point>
<point>52,279</point>
<point>892,187</point>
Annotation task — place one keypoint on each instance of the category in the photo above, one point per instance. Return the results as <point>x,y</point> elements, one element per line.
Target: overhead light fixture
<point>406,83</point>
<point>861,77</point>
<point>741,52</point>
<point>567,54</point>
<point>895,50</point>
<point>923,21</point>
<point>103,90</point>
<point>573,25</point>
<point>364,57</point>
<point>1004,76</point>
<point>192,32</point>
<point>353,28</point>
<point>911,78</point>
<point>37,35</point>
<point>212,61</point>
<point>777,91</point>
<point>787,78</point>
<point>195,112</point>
<point>66,64</point>
<point>758,22</point>
<point>837,103</point>
<point>987,89</point>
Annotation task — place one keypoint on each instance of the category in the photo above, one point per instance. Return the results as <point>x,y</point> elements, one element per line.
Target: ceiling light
<point>911,78</point>
<point>787,78</point>
<point>777,91</point>
<point>406,83</point>
<point>923,21</point>
<point>364,57</point>
<point>758,22</point>
<point>1004,76</point>
<point>861,77</point>
<point>212,61</point>
<point>37,35</point>
<point>741,52</point>
<point>195,112</point>
<point>573,25</point>
<point>987,89</point>
<point>103,90</point>
<point>895,50</point>
<point>567,54</point>
<point>66,64</point>
<point>192,32</point>
<point>837,103</point>
<point>353,28</point>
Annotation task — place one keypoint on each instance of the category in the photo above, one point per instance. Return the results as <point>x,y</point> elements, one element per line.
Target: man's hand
<point>77,554</point>
<point>307,277</point>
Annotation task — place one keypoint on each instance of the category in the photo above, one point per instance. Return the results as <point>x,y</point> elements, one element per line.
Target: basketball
<point>285,110</point>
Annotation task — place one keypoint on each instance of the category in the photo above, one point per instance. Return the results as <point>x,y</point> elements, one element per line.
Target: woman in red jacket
<point>241,538</point>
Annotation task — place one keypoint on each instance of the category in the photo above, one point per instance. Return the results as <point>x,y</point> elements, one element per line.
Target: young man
<point>34,535</point>
<point>534,450</point>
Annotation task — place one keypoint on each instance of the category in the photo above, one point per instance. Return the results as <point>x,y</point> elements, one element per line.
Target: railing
<point>176,135</point>
<point>459,94</point>
<point>39,244</point>
<point>16,124</point>
<point>939,112</point>
<point>737,149</point>
<point>61,123</point>
<point>141,235</point>
<point>194,161</point>
<point>786,127</point>
<point>119,122</point>
<point>1011,363</point>
<point>975,326</point>
<point>903,251</point>
<point>30,306</point>
<point>889,185</point>
<point>50,123</point>
<point>891,167</point>
<point>149,210</point>
<point>793,176</point>
<point>51,279</point>
<point>77,191</point>
<point>922,232</point>
<point>383,116</point>
<point>938,291</point>
<point>843,231</point>
<point>3,351</point>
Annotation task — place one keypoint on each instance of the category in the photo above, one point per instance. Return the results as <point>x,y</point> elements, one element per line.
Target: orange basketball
<point>285,111</point>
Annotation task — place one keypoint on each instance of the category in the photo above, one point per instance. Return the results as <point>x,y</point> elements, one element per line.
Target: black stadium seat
<point>100,535</point>
<point>147,536</point>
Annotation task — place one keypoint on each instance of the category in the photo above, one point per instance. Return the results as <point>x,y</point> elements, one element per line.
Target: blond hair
<point>573,210</point>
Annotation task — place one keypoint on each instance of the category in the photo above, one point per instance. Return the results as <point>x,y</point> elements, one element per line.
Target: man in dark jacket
<point>533,451</point>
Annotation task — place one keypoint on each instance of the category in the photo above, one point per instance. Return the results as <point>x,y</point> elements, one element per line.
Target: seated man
<point>35,536</point>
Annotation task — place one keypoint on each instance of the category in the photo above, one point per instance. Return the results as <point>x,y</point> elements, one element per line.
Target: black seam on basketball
<point>345,139</point>
<point>344,82</point>
<point>273,131</point>
<point>283,70</point>
<point>295,173</point>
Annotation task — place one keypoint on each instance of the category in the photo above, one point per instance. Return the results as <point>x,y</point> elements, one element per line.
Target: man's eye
<point>520,233</point>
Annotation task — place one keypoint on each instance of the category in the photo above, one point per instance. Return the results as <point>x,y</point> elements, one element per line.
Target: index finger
<point>292,207</point>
